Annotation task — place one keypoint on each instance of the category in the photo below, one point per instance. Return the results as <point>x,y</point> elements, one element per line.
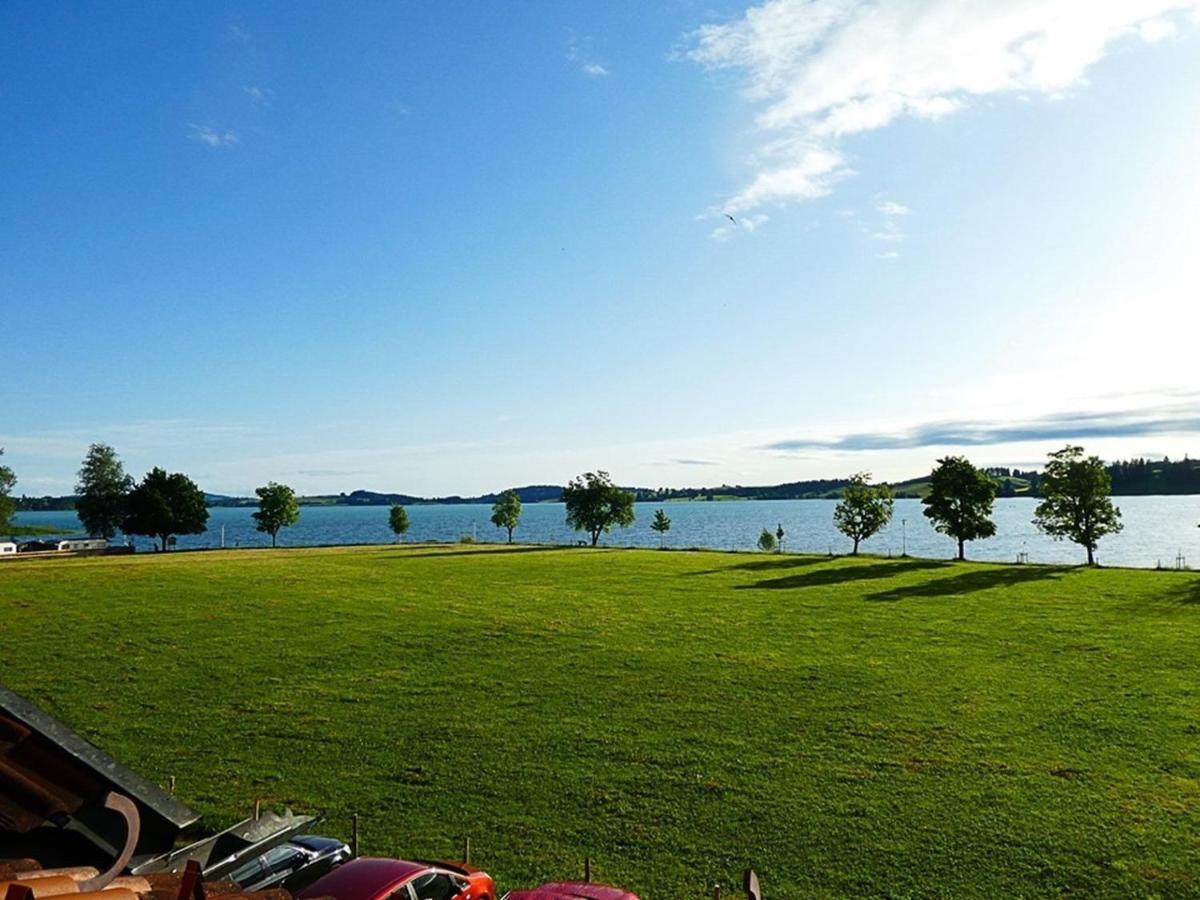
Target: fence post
<point>467,849</point>
<point>587,868</point>
<point>354,836</point>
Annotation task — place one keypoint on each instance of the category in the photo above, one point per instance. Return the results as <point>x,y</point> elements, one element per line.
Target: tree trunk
<point>163,538</point>
<point>1091,559</point>
<point>595,536</point>
<point>273,533</point>
<point>854,552</point>
<point>510,534</point>
<point>962,554</point>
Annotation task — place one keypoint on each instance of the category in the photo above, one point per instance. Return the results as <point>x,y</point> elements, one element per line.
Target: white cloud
<point>826,69</point>
<point>213,137</point>
<point>594,69</point>
<point>892,209</point>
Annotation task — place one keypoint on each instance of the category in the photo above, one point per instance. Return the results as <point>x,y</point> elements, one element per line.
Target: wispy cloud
<point>731,226</point>
<point>695,462</point>
<point>260,95</point>
<point>1183,418</point>
<point>892,214</point>
<point>239,34</point>
<point>581,53</point>
<point>823,70</point>
<point>213,137</point>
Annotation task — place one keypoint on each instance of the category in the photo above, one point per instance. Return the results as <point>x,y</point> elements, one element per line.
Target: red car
<point>397,879</point>
<point>572,890</point>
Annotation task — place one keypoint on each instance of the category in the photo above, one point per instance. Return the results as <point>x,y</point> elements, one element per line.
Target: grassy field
<point>848,727</point>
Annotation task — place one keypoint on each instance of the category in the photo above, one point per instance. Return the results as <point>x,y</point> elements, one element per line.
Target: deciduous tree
<point>102,491</point>
<point>1077,505</point>
<point>7,506</point>
<point>661,524</point>
<point>960,501</point>
<point>277,508</point>
<point>863,509</point>
<point>163,505</point>
<point>398,520</point>
<point>595,504</point>
<point>506,512</point>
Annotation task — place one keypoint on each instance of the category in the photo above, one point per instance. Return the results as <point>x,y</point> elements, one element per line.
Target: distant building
<point>7,548</point>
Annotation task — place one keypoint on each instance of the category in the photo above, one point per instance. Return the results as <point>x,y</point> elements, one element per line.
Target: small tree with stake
<point>506,512</point>
<point>277,508</point>
<point>398,520</point>
<point>960,501</point>
<point>1077,505</point>
<point>661,524</point>
<point>766,541</point>
<point>863,509</point>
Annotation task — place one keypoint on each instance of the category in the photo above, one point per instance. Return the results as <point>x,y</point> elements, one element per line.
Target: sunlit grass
<point>848,727</point>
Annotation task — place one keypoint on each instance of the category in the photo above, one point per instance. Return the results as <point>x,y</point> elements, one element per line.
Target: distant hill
<point>1131,478</point>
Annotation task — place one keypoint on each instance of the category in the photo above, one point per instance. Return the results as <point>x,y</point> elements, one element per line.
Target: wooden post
<point>587,868</point>
<point>716,892</point>
<point>467,849</point>
<point>171,785</point>
<point>354,836</point>
<point>257,808</point>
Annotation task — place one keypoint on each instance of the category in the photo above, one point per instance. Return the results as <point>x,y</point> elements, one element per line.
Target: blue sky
<point>446,248</point>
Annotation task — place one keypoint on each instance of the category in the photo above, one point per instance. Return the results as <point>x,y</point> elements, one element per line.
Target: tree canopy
<point>398,520</point>
<point>594,504</point>
<point>863,509</point>
<point>960,501</point>
<point>277,508</point>
<point>1077,504</point>
<point>102,491</point>
<point>506,512</point>
<point>7,506</point>
<point>163,505</point>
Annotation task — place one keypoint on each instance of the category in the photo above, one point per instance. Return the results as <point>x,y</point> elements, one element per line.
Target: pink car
<point>572,890</point>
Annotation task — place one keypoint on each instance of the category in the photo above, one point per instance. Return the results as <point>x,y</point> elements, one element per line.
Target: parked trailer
<point>7,547</point>
<point>82,544</point>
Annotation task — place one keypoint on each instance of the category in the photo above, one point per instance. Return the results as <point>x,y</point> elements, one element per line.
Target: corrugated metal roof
<point>49,774</point>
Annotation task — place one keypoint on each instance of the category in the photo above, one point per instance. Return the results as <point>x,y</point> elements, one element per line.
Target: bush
<point>466,539</point>
<point>766,541</point>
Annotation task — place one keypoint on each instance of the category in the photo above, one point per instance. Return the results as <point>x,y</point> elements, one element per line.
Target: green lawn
<point>849,727</point>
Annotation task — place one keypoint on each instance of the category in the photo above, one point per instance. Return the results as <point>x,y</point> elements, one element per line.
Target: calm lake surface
<point>1157,529</point>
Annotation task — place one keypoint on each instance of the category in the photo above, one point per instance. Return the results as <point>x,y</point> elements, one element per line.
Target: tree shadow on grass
<point>831,575</point>
<point>455,550</point>
<point>774,563</point>
<point>969,582</point>
<point>1189,593</point>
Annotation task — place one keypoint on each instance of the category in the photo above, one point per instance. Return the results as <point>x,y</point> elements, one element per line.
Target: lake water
<point>1157,529</point>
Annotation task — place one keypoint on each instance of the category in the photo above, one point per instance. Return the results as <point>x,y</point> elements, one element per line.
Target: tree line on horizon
<point>1134,477</point>
<point>1076,503</point>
